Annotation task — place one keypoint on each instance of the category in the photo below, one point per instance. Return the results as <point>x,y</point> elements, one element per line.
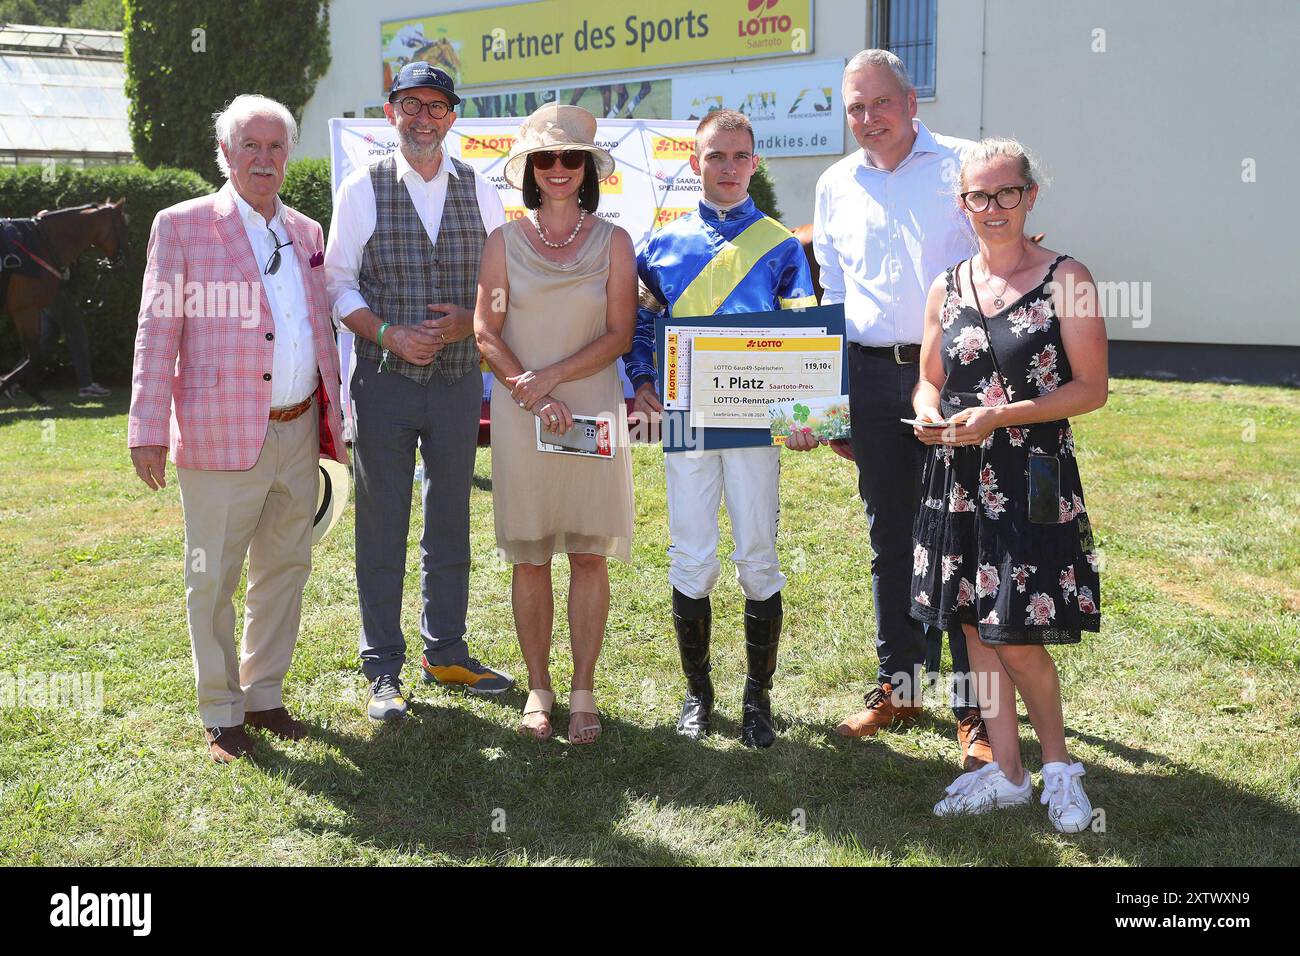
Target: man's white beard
<point>416,150</point>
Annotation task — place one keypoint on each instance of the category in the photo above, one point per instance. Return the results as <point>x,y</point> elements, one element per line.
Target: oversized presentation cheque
<point>735,378</point>
<point>718,374</point>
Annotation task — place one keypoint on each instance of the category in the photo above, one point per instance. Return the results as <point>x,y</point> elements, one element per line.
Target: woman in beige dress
<point>556,308</point>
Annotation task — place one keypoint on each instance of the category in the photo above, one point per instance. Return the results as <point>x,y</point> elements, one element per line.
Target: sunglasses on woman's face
<point>569,159</point>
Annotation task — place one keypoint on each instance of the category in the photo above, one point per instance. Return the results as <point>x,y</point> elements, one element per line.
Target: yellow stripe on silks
<point>803,302</point>
<point>719,278</point>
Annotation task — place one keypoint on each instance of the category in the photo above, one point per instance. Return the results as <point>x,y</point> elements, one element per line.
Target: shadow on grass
<point>451,784</point>
<point>63,403</point>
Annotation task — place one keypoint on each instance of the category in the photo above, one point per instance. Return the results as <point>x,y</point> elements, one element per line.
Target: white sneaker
<point>94,390</point>
<point>983,790</point>
<point>1067,805</point>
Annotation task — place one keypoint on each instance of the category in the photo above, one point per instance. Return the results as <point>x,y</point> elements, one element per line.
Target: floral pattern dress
<point>977,558</point>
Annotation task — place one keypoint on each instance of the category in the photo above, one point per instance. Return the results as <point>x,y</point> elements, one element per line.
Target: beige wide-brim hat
<point>552,128</point>
<point>331,497</point>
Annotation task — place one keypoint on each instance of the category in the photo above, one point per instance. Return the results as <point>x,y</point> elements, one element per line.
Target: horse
<point>67,233</point>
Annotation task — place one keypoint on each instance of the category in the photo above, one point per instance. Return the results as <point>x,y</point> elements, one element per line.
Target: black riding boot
<point>693,618</point>
<point>762,635</point>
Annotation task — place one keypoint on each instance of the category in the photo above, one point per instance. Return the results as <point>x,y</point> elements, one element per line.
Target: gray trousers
<point>63,314</point>
<point>390,412</point>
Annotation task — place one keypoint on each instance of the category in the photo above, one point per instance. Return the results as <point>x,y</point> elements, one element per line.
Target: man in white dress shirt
<point>402,267</point>
<point>886,223</point>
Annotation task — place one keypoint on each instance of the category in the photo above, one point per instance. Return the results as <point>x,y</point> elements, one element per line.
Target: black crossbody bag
<point>1043,475</point>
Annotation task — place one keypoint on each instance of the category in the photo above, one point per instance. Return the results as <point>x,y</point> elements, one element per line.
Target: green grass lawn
<point>1184,709</point>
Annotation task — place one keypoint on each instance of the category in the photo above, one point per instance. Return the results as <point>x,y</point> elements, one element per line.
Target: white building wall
<point>1145,143</point>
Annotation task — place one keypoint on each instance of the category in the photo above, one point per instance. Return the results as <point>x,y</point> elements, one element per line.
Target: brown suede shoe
<point>277,721</point>
<point>880,713</point>
<point>227,744</point>
<point>973,736</point>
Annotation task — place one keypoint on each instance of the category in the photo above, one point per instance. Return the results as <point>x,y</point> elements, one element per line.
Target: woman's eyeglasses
<point>569,159</point>
<point>1008,197</point>
<point>273,264</point>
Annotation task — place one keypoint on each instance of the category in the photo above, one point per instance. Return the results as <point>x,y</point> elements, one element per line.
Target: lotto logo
<point>516,212</point>
<point>670,147</point>
<point>612,185</point>
<point>482,147</point>
<point>664,216</point>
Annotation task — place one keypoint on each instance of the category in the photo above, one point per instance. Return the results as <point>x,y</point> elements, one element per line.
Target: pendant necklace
<point>988,278</point>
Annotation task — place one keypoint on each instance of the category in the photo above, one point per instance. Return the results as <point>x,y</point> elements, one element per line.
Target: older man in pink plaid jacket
<point>237,370</point>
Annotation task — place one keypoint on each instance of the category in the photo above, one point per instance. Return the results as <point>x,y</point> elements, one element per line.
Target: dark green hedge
<point>186,59</point>
<point>763,192</point>
<point>109,296</point>
<point>307,189</point>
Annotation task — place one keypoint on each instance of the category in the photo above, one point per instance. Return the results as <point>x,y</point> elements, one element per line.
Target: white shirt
<point>294,371</point>
<point>882,236</point>
<point>354,222</point>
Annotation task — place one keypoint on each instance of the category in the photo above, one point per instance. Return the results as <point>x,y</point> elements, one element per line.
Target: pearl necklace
<point>537,221</point>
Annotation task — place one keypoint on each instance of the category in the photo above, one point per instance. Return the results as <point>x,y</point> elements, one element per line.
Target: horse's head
<point>110,236</point>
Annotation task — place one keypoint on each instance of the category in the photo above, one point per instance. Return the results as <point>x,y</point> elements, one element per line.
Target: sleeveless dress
<point>977,559</point>
<point>546,503</point>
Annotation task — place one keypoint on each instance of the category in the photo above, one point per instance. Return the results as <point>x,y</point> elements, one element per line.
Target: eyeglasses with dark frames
<point>273,264</point>
<point>412,106</point>
<point>1008,197</point>
<point>569,159</point>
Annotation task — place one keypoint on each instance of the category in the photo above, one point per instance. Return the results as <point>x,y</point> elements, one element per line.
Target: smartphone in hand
<point>920,424</point>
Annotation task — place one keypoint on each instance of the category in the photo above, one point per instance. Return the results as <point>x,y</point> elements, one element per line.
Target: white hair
<point>241,109</point>
<point>1001,147</point>
<point>884,58</point>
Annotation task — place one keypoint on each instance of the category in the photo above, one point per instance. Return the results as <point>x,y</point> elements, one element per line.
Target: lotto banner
<point>545,38</point>
<point>652,182</point>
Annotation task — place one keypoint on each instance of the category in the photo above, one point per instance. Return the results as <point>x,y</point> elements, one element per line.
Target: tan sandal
<point>539,702</point>
<point>583,703</point>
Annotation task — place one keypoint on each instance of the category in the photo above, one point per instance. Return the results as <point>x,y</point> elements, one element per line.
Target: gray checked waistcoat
<point>402,273</point>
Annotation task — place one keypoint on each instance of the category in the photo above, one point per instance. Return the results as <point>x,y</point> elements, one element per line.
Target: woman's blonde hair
<point>1000,147</point>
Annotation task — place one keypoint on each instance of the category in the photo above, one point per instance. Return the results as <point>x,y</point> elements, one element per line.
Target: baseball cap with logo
<point>419,73</point>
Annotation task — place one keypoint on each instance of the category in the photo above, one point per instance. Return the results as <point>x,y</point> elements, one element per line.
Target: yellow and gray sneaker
<point>467,674</point>
<point>387,700</point>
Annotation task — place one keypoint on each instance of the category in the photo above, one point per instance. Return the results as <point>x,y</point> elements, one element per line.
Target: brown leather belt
<point>292,412</point>
<point>901,354</point>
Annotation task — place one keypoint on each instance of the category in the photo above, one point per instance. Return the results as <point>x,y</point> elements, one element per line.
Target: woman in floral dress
<point>1014,346</point>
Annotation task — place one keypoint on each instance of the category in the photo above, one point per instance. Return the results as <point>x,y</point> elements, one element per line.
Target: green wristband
<point>380,340</point>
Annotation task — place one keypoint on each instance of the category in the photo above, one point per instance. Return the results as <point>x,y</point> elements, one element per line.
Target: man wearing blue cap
<point>402,267</point>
